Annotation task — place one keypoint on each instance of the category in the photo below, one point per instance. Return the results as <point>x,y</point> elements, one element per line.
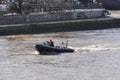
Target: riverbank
<point>77,14</point>
<point>47,27</point>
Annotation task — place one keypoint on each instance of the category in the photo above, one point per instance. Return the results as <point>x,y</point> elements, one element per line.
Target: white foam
<point>36,52</point>
<point>94,48</point>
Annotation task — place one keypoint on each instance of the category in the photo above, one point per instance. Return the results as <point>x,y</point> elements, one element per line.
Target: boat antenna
<point>66,43</point>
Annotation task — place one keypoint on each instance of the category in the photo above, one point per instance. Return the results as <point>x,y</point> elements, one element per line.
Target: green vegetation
<point>12,7</point>
<point>25,7</point>
<point>19,7</point>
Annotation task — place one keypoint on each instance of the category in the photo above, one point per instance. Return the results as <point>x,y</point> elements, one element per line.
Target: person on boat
<point>51,43</point>
<point>47,43</point>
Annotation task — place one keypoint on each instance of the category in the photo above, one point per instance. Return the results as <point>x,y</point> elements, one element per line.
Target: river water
<point>96,56</point>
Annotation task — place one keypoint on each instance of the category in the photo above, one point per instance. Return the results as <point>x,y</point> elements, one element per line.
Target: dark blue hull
<point>44,48</point>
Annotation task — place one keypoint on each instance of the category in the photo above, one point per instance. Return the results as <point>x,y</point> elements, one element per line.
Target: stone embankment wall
<point>75,25</point>
<point>49,17</point>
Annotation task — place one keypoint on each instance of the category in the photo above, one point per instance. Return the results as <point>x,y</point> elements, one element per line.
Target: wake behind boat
<point>46,49</point>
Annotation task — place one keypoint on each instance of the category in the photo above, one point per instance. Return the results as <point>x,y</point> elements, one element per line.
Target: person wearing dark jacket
<point>51,43</point>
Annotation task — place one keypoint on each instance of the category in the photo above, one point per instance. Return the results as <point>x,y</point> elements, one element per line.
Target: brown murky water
<point>96,56</point>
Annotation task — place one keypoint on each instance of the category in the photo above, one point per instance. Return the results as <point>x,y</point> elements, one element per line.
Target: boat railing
<point>58,47</point>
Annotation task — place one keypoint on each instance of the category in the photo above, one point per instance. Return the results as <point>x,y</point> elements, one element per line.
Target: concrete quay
<point>78,14</point>
<point>111,21</point>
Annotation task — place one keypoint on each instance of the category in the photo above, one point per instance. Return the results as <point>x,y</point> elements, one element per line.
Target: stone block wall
<point>49,17</point>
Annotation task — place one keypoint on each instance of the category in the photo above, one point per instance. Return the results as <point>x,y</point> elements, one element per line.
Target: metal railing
<point>51,8</point>
<point>58,7</point>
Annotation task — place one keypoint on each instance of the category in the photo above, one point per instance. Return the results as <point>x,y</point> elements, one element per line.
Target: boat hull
<point>44,49</point>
